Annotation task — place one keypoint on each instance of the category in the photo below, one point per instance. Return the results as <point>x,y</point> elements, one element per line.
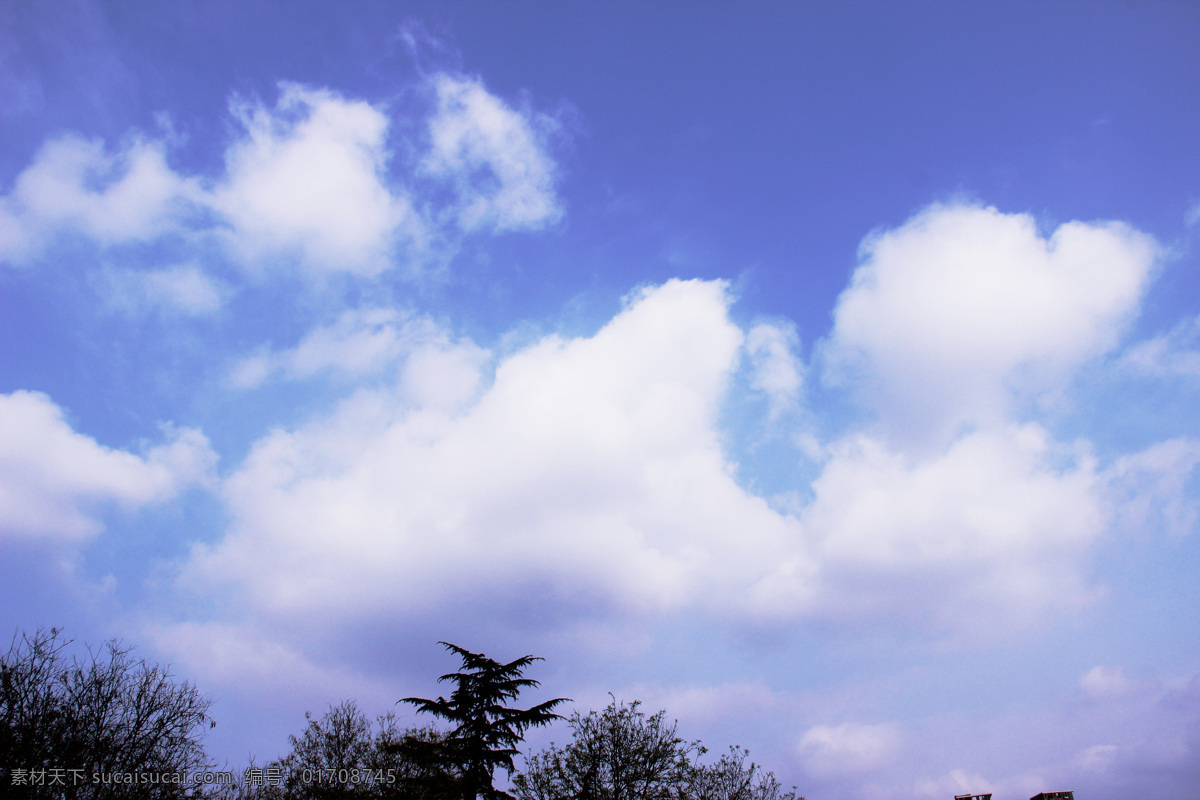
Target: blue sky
<point>823,373</point>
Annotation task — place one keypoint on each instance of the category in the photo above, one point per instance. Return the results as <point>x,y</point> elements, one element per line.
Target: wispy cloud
<point>849,748</point>
<point>185,290</point>
<point>1174,354</point>
<point>778,371</point>
<point>495,157</point>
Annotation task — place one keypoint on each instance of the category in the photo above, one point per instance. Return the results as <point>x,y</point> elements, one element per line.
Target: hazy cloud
<point>1175,354</point>
<point>778,371</point>
<point>184,289</point>
<point>1147,490</point>
<point>849,748</point>
<point>360,342</point>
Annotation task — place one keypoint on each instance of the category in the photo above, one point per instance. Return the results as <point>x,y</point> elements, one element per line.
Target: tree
<point>732,779</point>
<point>341,755</point>
<point>109,714</point>
<point>486,730</point>
<point>621,754</point>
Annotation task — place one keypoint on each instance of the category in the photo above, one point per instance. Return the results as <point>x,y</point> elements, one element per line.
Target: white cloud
<point>495,157</point>
<point>313,182</point>
<point>75,185</point>
<point>589,471</point>
<point>951,325</point>
<point>307,180</point>
<point>52,478</point>
<point>850,748</point>
<point>310,179</point>
<point>777,370</point>
<point>590,474</point>
<point>960,311</point>
<point>184,289</point>
<point>988,525</point>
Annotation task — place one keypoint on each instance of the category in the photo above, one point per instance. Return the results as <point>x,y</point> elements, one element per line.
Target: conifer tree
<point>487,731</point>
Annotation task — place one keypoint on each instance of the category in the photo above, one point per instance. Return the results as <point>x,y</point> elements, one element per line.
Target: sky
<point>826,374</point>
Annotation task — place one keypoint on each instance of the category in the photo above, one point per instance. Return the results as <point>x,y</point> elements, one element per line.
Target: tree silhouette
<point>70,720</point>
<point>621,754</point>
<point>486,730</point>
<point>340,756</point>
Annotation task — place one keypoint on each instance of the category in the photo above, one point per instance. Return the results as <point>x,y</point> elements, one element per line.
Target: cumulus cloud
<point>587,475</point>
<point>52,479</point>
<point>494,155</point>
<point>988,524</point>
<point>75,186</point>
<point>953,325</point>
<point>307,180</point>
<point>962,311</point>
<point>316,182</point>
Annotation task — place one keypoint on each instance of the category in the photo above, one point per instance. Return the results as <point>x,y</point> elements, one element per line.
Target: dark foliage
<point>66,724</point>
<point>621,754</point>
<point>486,731</point>
<point>65,721</point>
<point>341,755</point>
